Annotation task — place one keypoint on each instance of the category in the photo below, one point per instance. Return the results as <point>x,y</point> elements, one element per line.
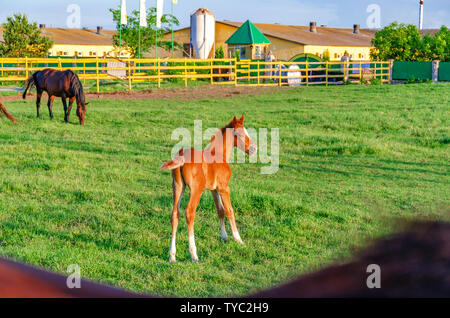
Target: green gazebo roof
<point>247,34</point>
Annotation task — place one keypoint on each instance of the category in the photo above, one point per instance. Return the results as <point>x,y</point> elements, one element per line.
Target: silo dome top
<point>202,11</point>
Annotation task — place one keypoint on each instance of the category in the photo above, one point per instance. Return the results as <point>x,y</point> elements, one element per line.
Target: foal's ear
<point>234,119</point>
<point>242,118</point>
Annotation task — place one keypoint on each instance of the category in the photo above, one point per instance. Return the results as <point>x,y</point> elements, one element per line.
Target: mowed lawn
<point>355,163</point>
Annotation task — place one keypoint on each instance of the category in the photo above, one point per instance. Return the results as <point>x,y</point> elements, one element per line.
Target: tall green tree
<point>437,47</point>
<point>130,32</point>
<point>403,42</point>
<point>23,39</point>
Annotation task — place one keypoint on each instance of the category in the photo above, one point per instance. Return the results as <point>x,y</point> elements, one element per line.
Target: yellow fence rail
<point>214,71</point>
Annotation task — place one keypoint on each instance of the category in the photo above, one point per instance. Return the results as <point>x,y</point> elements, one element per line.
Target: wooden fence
<point>215,71</point>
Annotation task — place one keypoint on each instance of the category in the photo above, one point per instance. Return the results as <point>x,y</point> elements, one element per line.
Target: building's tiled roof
<point>294,33</point>
<point>323,36</point>
<point>76,36</point>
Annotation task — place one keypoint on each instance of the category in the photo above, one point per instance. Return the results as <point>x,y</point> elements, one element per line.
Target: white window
<point>259,52</point>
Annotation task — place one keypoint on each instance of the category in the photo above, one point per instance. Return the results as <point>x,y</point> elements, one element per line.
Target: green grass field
<point>355,162</point>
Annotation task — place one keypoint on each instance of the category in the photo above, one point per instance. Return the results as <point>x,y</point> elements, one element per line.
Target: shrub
<point>375,81</point>
<point>219,53</point>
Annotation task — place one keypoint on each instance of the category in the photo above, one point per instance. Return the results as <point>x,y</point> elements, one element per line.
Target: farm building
<point>248,42</point>
<point>79,42</point>
<point>286,41</point>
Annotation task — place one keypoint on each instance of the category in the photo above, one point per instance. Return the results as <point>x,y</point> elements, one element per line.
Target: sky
<point>337,13</point>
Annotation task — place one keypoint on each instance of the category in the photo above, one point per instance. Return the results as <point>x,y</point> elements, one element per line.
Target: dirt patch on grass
<point>178,93</point>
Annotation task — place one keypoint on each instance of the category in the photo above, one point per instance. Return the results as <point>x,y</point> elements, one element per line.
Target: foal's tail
<point>7,114</point>
<point>177,162</point>
<point>28,85</point>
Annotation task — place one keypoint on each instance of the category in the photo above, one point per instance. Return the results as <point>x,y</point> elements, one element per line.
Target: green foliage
<point>219,54</point>
<point>130,32</point>
<point>375,81</point>
<point>23,39</point>
<point>403,42</point>
<point>236,55</point>
<point>436,47</point>
<point>174,72</point>
<point>411,80</point>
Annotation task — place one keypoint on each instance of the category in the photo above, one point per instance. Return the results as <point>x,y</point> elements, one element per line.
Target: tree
<point>437,47</point>
<point>219,54</point>
<point>22,38</point>
<point>130,32</point>
<point>403,42</point>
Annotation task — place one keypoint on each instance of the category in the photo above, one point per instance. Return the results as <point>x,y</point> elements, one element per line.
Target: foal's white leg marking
<point>172,250</point>
<point>237,237</point>
<point>193,249</point>
<point>223,231</point>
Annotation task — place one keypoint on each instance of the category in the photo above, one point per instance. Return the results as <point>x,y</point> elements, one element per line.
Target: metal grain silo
<point>203,31</point>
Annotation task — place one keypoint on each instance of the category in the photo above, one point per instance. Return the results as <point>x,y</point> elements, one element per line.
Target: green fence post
<point>435,71</point>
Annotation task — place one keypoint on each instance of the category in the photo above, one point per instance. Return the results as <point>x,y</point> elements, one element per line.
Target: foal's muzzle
<point>252,150</point>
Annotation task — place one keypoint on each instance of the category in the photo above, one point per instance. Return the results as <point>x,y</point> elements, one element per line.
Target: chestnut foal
<point>207,169</point>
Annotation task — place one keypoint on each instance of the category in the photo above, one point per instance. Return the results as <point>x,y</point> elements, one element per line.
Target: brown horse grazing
<point>207,169</point>
<point>64,84</point>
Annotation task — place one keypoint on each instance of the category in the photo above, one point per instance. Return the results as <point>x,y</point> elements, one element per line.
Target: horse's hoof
<point>172,260</point>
